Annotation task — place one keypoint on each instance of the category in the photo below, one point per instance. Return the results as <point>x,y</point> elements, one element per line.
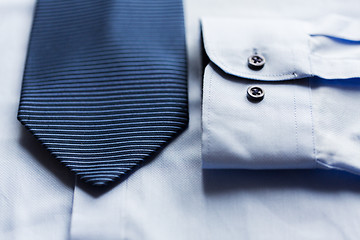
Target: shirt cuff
<point>285,128</point>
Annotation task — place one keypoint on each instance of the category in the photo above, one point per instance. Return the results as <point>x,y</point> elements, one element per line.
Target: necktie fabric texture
<point>105,86</point>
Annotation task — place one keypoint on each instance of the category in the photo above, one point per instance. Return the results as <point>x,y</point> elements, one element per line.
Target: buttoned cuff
<point>276,115</point>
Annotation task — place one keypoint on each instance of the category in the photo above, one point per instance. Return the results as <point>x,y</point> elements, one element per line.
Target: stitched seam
<point>208,108</point>
<point>295,107</point>
<point>311,106</point>
<point>224,65</point>
<point>296,127</point>
<point>312,124</point>
<point>217,59</point>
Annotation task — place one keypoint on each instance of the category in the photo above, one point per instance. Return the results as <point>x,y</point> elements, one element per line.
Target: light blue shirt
<point>309,117</point>
<point>173,197</point>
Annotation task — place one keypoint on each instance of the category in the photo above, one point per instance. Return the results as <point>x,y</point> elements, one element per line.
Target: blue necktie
<point>105,85</point>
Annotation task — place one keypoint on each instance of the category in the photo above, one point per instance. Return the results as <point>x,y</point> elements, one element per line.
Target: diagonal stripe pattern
<point>105,82</point>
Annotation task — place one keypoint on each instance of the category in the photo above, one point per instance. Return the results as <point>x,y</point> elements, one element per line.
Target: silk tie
<point>104,86</point>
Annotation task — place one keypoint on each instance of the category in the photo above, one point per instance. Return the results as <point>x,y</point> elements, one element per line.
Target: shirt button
<point>255,93</point>
<point>256,62</point>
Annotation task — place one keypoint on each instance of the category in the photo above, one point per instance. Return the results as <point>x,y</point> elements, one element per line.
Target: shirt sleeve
<point>298,108</point>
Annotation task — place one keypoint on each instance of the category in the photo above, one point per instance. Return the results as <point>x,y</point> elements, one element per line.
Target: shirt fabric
<point>309,115</point>
<point>172,197</point>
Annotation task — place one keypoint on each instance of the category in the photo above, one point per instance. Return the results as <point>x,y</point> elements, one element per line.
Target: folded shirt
<point>309,114</point>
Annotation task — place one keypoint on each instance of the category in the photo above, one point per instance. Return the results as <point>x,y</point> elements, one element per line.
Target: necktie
<point>104,86</point>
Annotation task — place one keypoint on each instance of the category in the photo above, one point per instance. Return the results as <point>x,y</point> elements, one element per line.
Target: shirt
<point>173,197</point>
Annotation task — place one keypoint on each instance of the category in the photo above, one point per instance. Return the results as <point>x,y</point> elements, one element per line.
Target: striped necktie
<point>104,87</point>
